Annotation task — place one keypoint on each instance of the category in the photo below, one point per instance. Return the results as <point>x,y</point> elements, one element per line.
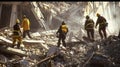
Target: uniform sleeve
<point>97,22</point>
<point>28,21</point>
<point>104,19</point>
<point>93,22</point>
<point>85,24</point>
<point>19,28</point>
<point>58,30</point>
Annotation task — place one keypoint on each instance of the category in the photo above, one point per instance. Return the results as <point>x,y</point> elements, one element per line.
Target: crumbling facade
<point>45,18</point>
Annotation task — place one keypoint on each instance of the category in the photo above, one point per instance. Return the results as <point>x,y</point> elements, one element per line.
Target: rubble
<point>80,51</point>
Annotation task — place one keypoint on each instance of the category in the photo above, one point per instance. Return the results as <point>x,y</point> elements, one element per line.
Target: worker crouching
<point>17,34</point>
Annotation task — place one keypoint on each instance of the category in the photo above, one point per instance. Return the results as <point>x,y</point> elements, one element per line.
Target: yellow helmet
<point>17,21</point>
<point>98,14</point>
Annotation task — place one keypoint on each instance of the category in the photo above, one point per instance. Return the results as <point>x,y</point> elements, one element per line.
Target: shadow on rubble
<point>102,53</point>
<point>112,49</point>
<point>110,53</point>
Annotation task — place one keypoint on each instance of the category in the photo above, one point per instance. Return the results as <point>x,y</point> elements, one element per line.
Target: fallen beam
<point>5,40</point>
<point>88,60</point>
<point>9,50</point>
<point>41,42</point>
<point>46,59</point>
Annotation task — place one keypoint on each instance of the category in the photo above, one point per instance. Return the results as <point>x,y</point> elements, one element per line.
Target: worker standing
<point>102,25</point>
<point>26,27</point>
<point>62,31</point>
<point>89,27</point>
<point>17,34</point>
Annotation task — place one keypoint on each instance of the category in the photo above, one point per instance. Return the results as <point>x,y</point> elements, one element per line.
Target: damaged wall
<point>8,18</point>
<point>5,15</point>
<point>81,51</point>
<point>26,10</point>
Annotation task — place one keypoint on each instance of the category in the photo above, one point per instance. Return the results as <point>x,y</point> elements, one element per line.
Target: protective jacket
<point>89,24</point>
<point>101,21</point>
<point>62,30</point>
<point>61,34</point>
<point>25,24</point>
<point>16,30</point>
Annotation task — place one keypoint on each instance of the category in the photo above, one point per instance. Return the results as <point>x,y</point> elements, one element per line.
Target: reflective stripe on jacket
<point>89,24</point>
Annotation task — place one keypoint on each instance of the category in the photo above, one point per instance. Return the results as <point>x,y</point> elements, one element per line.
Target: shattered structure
<point>45,19</point>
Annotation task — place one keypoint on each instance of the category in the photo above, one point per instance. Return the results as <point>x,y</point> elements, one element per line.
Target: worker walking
<point>17,34</point>
<point>62,31</point>
<point>101,21</point>
<point>89,27</point>
<point>26,27</point>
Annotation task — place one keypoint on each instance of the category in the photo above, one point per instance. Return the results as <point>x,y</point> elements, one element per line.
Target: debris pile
<point>79,53</point>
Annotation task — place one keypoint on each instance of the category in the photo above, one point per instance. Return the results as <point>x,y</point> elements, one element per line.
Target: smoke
<point>111,12</point>
<point>108,10</point>
<point>74,15</point>
<point>112,16</point>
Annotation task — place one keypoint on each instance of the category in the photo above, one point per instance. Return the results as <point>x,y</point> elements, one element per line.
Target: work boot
<point>64,44</point>
<point>58,44</point>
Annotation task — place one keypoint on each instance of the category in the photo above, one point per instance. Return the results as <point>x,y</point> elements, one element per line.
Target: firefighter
<point>17,34</point>
<point>26,27</point>
<point>62,31</point>
<point>89,27</point>
<point>101,21</point>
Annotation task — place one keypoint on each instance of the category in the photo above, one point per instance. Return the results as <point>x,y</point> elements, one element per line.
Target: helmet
<point>98,14</point>
<point>24,16</point>
<point>17,21</point>
<point>63,23</point>
<point>87,17</point>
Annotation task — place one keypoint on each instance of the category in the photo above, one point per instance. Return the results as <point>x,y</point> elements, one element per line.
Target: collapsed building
<point>45,19</point>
